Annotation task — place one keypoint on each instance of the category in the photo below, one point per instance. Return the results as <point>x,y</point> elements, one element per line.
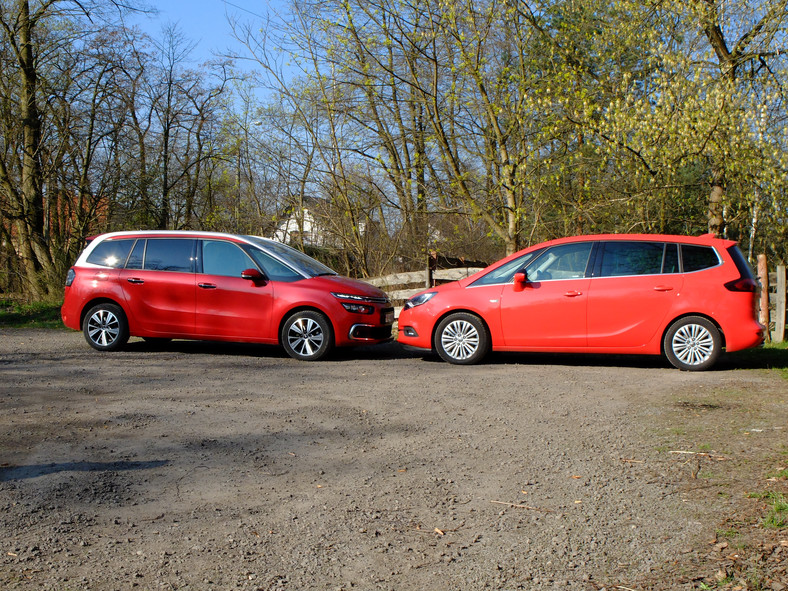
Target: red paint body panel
<point>594,314</point>
<point>194,305</point>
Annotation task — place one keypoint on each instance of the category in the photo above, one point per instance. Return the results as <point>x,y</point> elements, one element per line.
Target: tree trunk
<point>36,260</point>
<point>715,214</point>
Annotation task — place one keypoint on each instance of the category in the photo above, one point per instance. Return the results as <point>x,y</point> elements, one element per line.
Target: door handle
<point>573,294</point>
<point>207,285</point>
<point>663,288</point>
<point>135,280</point>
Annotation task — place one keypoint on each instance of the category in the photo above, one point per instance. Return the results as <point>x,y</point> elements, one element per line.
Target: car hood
<point>444,287</point>
<point>341,284</point>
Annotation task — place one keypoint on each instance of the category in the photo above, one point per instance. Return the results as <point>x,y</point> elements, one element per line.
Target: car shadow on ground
<point>204,348</point>
<point>768,358</point>
<point>760,358</point>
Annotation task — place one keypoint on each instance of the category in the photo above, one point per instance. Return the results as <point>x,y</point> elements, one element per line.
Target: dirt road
<point>209,466</point>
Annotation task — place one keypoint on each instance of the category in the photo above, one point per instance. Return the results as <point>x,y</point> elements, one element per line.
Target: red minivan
<point>222,287</point>
<point>687,298</point>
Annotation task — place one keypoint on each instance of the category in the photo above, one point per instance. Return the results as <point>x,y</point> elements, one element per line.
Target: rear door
<point>159,288</point>
<point>635,285</point>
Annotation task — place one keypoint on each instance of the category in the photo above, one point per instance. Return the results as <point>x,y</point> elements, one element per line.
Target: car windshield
<point>296,259</point>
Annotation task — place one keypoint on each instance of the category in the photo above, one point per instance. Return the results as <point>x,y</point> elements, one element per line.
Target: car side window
<point>220,257</point>
<point>697,258</point>
<point>568,261</point>
<point>137,256</point>
<point>621,259</point>
<point>671,262</point>
<point>110,253</point>
<point>505,273</point>
<point>274,269</point>
<point>169,254</point>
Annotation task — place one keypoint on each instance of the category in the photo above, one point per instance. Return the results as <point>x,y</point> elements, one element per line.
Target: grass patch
<point>770,356</point>
<point>777,516</point>
<point>36,315</point>
<point>727,533</point>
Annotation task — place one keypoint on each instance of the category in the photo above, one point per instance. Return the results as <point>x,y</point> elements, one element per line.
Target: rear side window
<point>620,259</point>
<point>163,254</point>
<point>671,262</point>
<point>110,253</point>
<point>697,258</point>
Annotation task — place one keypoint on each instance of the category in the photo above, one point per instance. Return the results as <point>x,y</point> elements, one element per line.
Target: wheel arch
<point>101,300</point>
<point>687,315</point>
<point>306,308</point>
<point>448,313</point>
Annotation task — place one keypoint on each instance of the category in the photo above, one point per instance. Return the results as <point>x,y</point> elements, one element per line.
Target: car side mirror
<point>520,281</point>
<point>252,275</point>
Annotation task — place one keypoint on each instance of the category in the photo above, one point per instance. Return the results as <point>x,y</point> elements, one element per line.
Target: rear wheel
<point>693,343</point>
<point>306,335</point>
<point>105,327</point>
<point>462,339</point>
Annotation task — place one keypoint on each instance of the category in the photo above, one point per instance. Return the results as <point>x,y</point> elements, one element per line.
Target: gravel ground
<point>215,466</point>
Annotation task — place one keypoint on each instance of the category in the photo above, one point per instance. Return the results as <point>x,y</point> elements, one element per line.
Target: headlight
<point>360,298</point>
<point>420,299</point>
<point>358,308</point>
<point>359,304</point>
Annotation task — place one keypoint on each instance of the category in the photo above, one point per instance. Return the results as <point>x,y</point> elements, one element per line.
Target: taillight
<point>70,277</point>
<point>742,284</point>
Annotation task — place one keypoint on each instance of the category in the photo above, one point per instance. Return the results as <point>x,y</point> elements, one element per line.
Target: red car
<point>683,297</point>
<point>220,287</point>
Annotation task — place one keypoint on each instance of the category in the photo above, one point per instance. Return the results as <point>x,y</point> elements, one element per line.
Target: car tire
<point>692,344</point>
<point>462,339</point>
<point>307,335</point>
<point>105,327</point>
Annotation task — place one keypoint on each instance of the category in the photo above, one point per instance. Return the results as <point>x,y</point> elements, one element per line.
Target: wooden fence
<point>401,286</point>
<point>772,305</point>
<point>439,269</point>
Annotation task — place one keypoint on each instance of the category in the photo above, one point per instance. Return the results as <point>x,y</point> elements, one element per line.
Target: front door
<point>228,306</point>
<point>549,312</point>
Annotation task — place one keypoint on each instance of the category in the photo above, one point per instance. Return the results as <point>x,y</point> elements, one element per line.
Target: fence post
<point>778,335</point>
<point>432,263</point>
<point>763,277</point>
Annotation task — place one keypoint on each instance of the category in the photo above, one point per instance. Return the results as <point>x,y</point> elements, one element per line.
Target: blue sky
<point>205,22</point>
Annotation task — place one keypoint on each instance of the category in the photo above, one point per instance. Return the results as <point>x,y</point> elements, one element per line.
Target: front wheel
<point>306,335</point>
<point>692,344</point>
<point>462,339</point>
<point>105,327</point>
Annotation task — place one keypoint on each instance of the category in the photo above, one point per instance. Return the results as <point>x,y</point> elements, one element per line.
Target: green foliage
<point>468,127</point>
<point>36,315</point>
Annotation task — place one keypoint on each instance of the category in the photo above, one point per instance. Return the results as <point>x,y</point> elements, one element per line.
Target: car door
<point>227,305</point>
<point>634,287</point>
<point>158,287</point>
<point>549,311</point>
